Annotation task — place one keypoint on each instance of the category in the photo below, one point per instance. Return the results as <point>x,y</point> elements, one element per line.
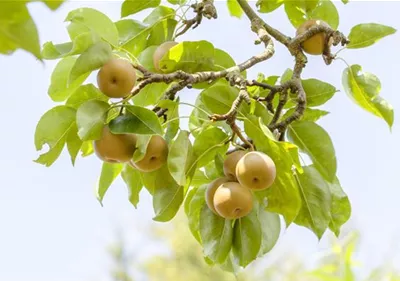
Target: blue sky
<point>53,228</point>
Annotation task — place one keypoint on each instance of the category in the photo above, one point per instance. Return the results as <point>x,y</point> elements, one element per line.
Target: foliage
<point>274,114</point>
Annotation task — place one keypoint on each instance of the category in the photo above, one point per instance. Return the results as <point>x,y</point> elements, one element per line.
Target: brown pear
<point>232,200</point>
<point>155,157</point>
<point>115,148</point>
<point>116,78</point>
<point>212,187</point>
<point>314,45</point>
<point>230,163</point>
<point>256,171</point>
<point>160,52</point>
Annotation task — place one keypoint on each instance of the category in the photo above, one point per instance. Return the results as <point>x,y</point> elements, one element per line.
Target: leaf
<point>366,34</point>
<point>95,21</point>
<point>93,58</point>
<point>326,11</point>
<point>270,228</point>
<point>364,88</point>
<point>298,11</point>
<point>74,143</point>
<point>317,92</point>
<point>179,157</point>
<point>177,2</point>
<point>247,238</point>
<point>173,119</point>
<point>216,235</point>
<point>283,196</point>
<point>18,30</point>
<point>137,120</point>
<point>340,207</point>
<point>316,143</point>
<point>90,118</point>
<point>109,172</point>
<point>84,94</point>
<point>196,202</point>
<point>59,89</point>
<point>206,145</point>
<point>310,114</point>
<point>316,201</point>
<point>87,148</point>
<point>163,25</point>
<point>234,8</point>
<point>130,7</point>
<point>53,129</point>
<point>167,197</point>
<point>268,6</point>
<point>133,182</point>
<point>128,29</point>
<point>189,57</point>
<point>53,4</point>
<point>142,141</point>
<point>219,98</point>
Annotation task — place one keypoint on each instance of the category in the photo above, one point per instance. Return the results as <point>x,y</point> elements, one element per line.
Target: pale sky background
<point>53,228</point>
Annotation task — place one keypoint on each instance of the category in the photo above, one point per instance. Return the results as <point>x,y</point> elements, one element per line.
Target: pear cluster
<point>314,45</point>
<point>231,196</point>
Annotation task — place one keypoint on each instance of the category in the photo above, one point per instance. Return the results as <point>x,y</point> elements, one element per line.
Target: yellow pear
<point>160,52</point>
<point>155,157</point>
<point>212,187</point>
<point>314,45</point>
<point>230,163</point>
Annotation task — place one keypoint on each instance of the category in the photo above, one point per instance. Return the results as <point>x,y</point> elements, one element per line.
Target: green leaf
<point>316,143</point>
<point>87,148</point>
<point>18,30</point>
<point>364,88</point>
<point>177,2</point>
<point>53,4</point>
<point>53,129</point>
<point>219,98</point>
<point>93,58</point>
<point>316,201</point>
<point>366,34</point>
<point>317,92</point>
<point>179,157</point>
<point>90,118</point>
<point>84,94</point>
<point>207,144</point>
<point>95,21</point>
<point>74,143</point>
<point>196,202</point>
<point>189,57</point>
<point>133,182</point>
<point>234,8</point>
<point>326,11</point>
<point>247,238</point>
<point>128,29</point>
<point>167,197</point>
<point>270,228</point>
<point>142,141</point>
<point>163,30</point>
<point>310,114</point>
<point>137,120</point>
<point>298,11</point>
<point>340,207</point>
<point>283,196</point>
<point>268,6</point>
<point>59,89</point>
<point>109,172</point>
<point>216,235</point>
<point>130,7</point>
<point>173,119</point>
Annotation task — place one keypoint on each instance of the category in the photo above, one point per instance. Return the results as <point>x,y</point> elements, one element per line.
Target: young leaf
<point>340,207</point>
<point>179,157</point>
<point>137,120</point>
<point>310,114</point>
<point>216,235</point>
<point>270,228</point>
<point>219,98</point>
<point>167,197</point>
<point>90,118</point>
<point>366,34</point>
<point>234,8</point>
<point>84,94</point>
<point>298,11</point>
<point>283,196</point>
<point>141,147</point>
<point>247,238</point>
<point>18,30</point>
<point>268,6</point>
<point>96,21</point>
<point>177,2</point>
<point>74,143</point>
<point>193,209</point>
<point>130,7</point>
<point>316,143</point>
<point>87,148</point>
<point>326,11</point>
<point>53,129</point>
<point>60,89</point>
<point>316,201</point>
<point>317,92</point>
<point>363,88</point>
<point>109,172</point>
<point>93,58</point>
<point>133,182</point>
<point>189,56</point>
<point>53,4</point>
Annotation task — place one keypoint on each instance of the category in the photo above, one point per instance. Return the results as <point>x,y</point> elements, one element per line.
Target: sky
<point>54,229</point>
